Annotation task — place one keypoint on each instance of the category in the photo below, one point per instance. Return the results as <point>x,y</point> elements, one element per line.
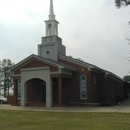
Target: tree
<point>127,78</point>
<point>6,80</point>
<point>120,3</point>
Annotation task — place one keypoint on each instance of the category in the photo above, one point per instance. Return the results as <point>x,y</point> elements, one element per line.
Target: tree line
<point>6,80</point>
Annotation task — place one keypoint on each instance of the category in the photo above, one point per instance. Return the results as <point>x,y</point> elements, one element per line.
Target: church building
<point>53,79</point>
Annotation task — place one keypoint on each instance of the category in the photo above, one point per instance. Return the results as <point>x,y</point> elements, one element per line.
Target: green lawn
<point>32,120</point>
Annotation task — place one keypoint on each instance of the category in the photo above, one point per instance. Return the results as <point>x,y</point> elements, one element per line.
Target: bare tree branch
<point>6,80</point>
<point>120,3</point>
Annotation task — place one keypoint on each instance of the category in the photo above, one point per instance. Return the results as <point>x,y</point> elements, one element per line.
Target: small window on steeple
<point>49,29</point>
<point>56,30</point>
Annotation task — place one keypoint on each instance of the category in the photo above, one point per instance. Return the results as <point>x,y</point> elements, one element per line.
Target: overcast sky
<point>94,31</point>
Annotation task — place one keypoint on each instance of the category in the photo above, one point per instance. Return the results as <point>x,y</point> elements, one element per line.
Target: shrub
<point>107,104</point>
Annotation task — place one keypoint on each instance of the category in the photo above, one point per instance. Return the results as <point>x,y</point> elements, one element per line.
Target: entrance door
<point>36,90</point>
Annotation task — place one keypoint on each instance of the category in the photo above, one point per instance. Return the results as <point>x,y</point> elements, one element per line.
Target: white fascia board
<point>48,62</point>
<point>35,69</point>
<point>51,20</point>
<point>47,44</point>
<point>89,66</point>
<point>67,67</point>
<point>58,65</point>
<point>113,76</point>
<point>73,61</point>
<point>21,63</point>
<point>31,58</point>
<point>61,67</point>
<point>107,73</point>
<point>78,62</point>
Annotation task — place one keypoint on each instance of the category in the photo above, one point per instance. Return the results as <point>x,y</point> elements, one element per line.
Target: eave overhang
<point>91,67</point>
<point>35,57</point>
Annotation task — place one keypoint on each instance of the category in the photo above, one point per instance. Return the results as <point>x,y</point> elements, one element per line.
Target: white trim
<point>74,61</point>
<point>35,69</point>
<point>113,76</point>
<point>81,63</point>
<point>63,71</point>
<point>31,58</point>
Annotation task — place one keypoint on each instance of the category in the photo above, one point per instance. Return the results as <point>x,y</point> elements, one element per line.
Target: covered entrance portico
<point>42,73</point>
<point>39,81</point>
<point>41,88</point>
<point>36,92</point>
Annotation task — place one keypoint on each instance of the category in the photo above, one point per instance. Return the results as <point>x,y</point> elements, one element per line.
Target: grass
<point>41,120</point>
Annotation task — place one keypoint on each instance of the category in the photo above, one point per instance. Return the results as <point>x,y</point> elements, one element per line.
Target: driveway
<point>124,108</point>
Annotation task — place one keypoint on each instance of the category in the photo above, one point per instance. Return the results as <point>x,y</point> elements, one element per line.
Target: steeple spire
<point>51,15</point>
<point>51,44</point>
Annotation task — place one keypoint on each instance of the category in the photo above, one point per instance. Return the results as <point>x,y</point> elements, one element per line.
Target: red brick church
<point>53,79</point>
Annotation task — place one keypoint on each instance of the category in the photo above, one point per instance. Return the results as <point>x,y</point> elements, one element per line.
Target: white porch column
<point>49,100</point>
<point>23,94</point>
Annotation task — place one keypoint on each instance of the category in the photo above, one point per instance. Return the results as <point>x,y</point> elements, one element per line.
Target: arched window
<point>18,88</point>
<point>56,30</point>
<point>83,86</point>
<point>49,29</point>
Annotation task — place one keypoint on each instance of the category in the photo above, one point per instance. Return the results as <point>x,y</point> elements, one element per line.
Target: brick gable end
<point>36,63</point>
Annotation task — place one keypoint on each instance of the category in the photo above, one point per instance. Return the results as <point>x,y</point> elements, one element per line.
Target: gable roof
<point>45,60</point>
<point>90,66</point>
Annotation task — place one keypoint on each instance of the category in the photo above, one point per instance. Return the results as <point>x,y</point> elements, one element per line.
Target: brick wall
<point>104,89</point>
<point>37,63</point>
<point>10,99</point>
<point>110,89</point>
<point>71,87</point>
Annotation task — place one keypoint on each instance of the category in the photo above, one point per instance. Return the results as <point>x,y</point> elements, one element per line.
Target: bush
<point>118,98</point>
<point>107,104</point>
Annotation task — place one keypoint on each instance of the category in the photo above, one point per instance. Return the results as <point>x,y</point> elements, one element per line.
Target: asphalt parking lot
<point>124,108</point>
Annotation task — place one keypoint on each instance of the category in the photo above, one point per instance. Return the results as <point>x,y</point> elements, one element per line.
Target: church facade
<point>53,79</point>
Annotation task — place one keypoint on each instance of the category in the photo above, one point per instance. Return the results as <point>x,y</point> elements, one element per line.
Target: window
<point>56,33</point>
<point>49,29</point>
<point>83,87</point>
<point>95,79</point>
<point>19,89</point>
<point>47,52</point>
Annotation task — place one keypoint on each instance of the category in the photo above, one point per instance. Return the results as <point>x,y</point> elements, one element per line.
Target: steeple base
<point>51,39</point>
<point>51,46</point>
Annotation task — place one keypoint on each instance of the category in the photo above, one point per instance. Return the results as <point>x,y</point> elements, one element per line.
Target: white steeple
<point>51,24</point>
<point>51,15</point>
<point>51,44</point>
